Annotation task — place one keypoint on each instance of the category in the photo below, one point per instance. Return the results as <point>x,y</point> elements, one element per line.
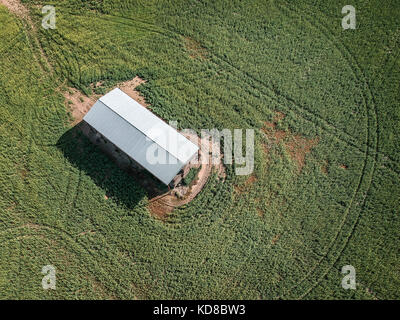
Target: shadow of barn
<point>119,181</point>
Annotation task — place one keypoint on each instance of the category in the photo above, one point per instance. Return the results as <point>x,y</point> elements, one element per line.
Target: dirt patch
<point>15,6</point>
<point>195,49</point>
<point>296,146</point>
<point>162,205</point>
<point>79,104</point>
<point>324,167</point>
<point>129,87</point>
<point>246,185</point>
<point>343,166</point>
<point>275,239</point>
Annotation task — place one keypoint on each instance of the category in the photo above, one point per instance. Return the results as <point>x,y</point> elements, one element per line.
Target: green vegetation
<point>281,233</point>
<point>191,176</point>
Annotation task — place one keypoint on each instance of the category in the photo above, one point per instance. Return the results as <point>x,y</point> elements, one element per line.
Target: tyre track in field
<point>71,64</point>
<point>28,27</point>
<point>374,127</point>
<point>376,151</point>
<point>14,233</point>
<point>32,113</point>
<point>273,94</point>
<point>31,39</point>
<point>71,59</point>
<point>63,204</point>
<point>179,36</point>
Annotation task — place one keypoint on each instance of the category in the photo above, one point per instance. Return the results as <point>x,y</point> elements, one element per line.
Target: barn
<point>135,137</point>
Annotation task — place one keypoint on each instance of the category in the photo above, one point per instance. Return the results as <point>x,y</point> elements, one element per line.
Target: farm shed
<point>133,135</point>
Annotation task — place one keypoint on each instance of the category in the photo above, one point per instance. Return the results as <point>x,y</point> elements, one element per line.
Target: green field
<point>286,231</point>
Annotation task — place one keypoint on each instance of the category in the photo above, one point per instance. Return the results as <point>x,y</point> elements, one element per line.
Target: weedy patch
<point>296,146</point>
<point>239,189</point>
<point>78,103</point>
<point>195,49</point>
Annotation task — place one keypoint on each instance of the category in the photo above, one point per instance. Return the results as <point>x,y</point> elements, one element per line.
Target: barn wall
<point>120,157</point>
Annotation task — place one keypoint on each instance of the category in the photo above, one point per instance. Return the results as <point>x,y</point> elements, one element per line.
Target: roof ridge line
<point>144,108</point>
<point>139,130</point>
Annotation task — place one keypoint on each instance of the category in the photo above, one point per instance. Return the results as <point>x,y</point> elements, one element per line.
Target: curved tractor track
<point>76,244</point>
<point>29,29</point>
<point>371,151</point>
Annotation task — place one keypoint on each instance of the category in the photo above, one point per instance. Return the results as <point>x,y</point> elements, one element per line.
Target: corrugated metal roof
<point>134,129</point>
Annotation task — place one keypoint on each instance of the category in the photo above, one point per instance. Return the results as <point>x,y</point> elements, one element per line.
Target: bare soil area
<point>129,87</point>
<point>181,195</point>
<point>15,6</point>
<point>195,49</point>
<point>79,104</point>
<point>297,146</point>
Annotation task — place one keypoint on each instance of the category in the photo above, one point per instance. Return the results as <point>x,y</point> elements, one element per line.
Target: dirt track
<point>162,205</point>
<point>16,7</point>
